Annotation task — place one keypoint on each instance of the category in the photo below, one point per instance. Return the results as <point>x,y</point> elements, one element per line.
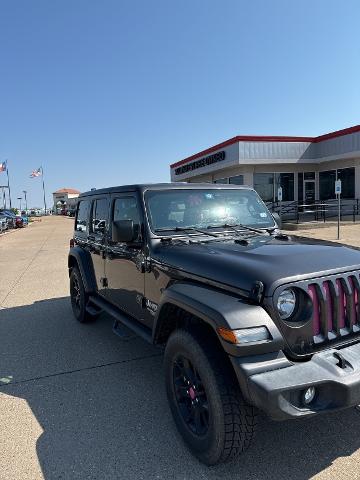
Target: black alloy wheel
<point>75,295</point>
<point>209,411</point>
<point>79,297</point>
<point>191,396</point>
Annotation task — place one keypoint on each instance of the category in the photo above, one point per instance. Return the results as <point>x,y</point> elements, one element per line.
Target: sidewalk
<point>349,233</point>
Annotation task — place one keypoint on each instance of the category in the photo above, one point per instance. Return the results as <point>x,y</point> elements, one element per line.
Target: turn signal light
<point>244,335</point>
<point>227,335</point>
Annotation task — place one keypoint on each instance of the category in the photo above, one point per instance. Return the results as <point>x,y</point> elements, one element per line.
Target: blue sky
<point>111,92</point>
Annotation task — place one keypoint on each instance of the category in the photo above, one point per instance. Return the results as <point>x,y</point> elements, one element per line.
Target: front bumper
<point>276,386</point>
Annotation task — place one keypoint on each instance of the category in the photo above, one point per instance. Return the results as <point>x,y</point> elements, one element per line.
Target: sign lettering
<point>202,162</point>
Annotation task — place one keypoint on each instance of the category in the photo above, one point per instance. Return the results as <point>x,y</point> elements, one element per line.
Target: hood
<point>266,258</point>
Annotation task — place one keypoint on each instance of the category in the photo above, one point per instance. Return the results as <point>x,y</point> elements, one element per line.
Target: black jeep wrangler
<point>251,319</point>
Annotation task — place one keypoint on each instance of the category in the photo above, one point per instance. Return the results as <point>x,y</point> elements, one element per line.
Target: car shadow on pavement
<point>101,404</point>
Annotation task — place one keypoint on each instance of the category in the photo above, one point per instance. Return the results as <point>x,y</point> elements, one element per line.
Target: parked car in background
<point>25,218</point>
<point>10,216</point>
<point>3,223</point>
<point>35,213</point>
<point>14,221</point>
<point>19,222</point>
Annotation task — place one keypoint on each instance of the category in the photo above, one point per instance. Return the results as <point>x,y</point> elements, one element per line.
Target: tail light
<point>72,243</point>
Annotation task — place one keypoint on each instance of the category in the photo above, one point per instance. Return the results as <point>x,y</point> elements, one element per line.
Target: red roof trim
<point>257,138</point>
<point>338,133</point>
<point>205,152</point>
<point>67,190</point>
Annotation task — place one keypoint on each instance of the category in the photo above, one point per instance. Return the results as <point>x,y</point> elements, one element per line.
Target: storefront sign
<point>202,162</point>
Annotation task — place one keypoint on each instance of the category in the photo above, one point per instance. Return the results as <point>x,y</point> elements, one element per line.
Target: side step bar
<point>129,322</point>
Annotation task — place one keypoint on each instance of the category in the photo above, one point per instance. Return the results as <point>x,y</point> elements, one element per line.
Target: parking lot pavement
<point>349,233</point>
<point>76,402</point>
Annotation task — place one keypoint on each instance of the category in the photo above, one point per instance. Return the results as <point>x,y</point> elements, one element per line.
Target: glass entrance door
<point>309,190</point>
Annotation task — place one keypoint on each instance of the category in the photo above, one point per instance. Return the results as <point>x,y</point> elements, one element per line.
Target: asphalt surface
<point>349,233</point>
<point>77,402</point>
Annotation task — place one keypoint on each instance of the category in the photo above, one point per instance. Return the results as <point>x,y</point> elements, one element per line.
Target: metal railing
<point>317,211</point>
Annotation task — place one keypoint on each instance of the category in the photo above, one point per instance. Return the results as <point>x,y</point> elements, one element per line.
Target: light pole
<point>19,198</point>
<point>25,192</point>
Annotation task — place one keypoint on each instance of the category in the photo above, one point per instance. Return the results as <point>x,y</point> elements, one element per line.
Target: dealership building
<point>65,199</point>
<point>305,167</point>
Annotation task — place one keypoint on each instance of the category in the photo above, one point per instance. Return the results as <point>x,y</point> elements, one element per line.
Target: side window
<point>82,218</point>
<point>126,208</point>
<point>100,214</point>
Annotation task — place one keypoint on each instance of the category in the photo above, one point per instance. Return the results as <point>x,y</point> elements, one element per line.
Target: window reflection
<point>127,208</point>
<point>237,180</point>
<point>204,208</point>
<point>100,215</point>
<point>267,184</point>
<point>82,216</point>
<point>327,183</point>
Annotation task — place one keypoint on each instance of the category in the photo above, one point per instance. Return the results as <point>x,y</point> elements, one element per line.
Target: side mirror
<point>123,231</point>
<point>277,219</point>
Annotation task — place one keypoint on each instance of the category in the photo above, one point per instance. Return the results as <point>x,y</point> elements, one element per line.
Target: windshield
<point>169,209</point>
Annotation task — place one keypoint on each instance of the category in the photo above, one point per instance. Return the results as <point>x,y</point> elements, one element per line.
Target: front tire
<point>205,400</point>
<point>79,297</point>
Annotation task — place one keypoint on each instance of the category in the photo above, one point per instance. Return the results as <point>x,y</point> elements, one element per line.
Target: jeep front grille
<point>336,307</point>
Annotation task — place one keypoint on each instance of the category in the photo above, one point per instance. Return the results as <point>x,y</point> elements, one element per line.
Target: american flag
<point>36,173</point>
<point>3,167</point>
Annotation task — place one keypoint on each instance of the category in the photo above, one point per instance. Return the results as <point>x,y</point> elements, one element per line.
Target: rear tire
<point>79,298</point>
<point>202,392</point>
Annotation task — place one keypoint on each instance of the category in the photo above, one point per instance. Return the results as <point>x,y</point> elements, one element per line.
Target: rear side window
<point>82,220</point>
<point>100,216</point>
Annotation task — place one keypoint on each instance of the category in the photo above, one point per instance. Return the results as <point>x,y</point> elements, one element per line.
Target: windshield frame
<point>174,233</point>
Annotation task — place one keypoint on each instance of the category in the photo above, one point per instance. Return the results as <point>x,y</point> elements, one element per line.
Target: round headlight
<point>286,303</point>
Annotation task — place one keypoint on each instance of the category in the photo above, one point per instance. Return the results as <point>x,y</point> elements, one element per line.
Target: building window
<point>238,180</point>
<point>300,186</point>
<point>286,182</point>
<point>347,177</point>
<point>327,183</point>
<point>222,180</point>
<point>264,185</point>
<point>309,175</point>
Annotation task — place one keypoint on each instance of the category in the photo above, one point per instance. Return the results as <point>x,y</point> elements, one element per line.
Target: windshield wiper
<point>232,226</point>
<point>186,229</point>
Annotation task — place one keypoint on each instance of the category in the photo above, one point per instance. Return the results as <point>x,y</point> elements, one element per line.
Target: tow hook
<point>342,362</point>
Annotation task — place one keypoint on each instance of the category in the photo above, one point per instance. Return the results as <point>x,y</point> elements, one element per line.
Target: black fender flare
<point>83,260</point>
<point>220,309</point>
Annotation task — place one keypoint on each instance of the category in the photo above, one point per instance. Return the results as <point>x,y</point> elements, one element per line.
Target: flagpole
<point>7,172</point>
<point>43,184</point>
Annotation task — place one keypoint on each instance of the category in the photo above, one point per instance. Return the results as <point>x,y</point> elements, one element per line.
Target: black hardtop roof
<point>162,186</point>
